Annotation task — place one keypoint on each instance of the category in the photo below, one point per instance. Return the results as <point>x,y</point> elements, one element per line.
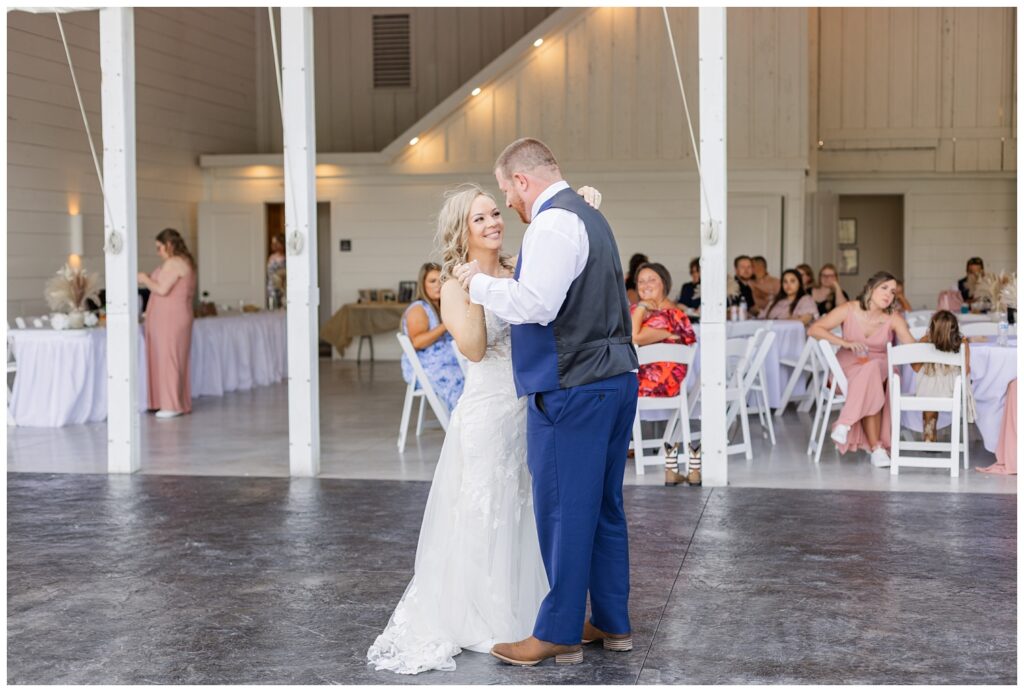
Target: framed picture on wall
<point>848,232</point>
<point>406,291</point>
<point>849,261</point>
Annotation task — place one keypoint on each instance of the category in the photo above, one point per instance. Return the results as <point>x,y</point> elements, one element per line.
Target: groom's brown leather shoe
<point>612,642</point>
<point>531,651</point>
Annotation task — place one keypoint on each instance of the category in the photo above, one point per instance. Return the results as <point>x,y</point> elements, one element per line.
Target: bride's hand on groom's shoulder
<point>464,273</point>
<point>590,195</point>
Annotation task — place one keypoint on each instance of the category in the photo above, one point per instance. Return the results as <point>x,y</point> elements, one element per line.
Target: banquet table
<point>921,318</point>
<point>61,375</point>
<point>361,319</point>
<point>993,367</point>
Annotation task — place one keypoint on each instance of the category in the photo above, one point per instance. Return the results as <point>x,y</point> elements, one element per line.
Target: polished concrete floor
<point>188,579</point>
<point>246,434</point>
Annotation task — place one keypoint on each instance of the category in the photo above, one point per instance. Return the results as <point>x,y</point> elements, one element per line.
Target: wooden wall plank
<point>599,39</point>
<point>765,82</point>
<point>624,94</point>
<point>965,74</point>
<point>852,67</point>
<point>877,67</point>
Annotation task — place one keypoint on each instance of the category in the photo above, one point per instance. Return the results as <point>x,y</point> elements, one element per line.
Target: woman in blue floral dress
<point>431,339</point>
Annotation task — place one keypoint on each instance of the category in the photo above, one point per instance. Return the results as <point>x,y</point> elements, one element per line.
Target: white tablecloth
<point>62,375</point>
<point>789,342</point>
<point>921,318</point>
<point>992,369</point>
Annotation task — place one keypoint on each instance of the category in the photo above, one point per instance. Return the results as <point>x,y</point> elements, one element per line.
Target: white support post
<point>301,237</point>
<point>117,94</point>
<point>713,260</point>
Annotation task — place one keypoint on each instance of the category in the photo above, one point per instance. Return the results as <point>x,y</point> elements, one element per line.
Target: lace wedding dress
<point>479,578</point>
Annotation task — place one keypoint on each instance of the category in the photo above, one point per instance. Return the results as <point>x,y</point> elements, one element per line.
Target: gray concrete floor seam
<point>668,597</point>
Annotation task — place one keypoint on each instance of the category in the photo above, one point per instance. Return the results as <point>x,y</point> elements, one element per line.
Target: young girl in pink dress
<point>868,325</point>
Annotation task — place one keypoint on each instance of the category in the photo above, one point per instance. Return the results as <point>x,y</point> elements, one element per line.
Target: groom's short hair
<point>523,155</point>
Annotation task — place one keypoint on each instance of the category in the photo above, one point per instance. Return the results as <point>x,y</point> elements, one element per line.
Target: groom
<point>572,355</point>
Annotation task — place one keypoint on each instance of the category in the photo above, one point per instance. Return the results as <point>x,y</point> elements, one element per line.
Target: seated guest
<point>422,324</point>
<point>689,297</point>
<point>765,286</point>
<point>634,264</point>
<point>807,275</point>
<point>744,269</point>
<point>657,319</point>
<point>792,301</point>
<point>937,379</point>
<point>827,293</point>
<point>975,268</point>
<point>868,327</point>
<point>902,304</point>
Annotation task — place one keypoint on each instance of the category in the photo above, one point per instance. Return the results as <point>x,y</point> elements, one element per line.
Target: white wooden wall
<point>196,94</point>
<point>449,45</point>
<point>917,89</point>
<point>945,222</point>
<point>922,102</point>
<point>390,218</point>
<point>603,88</point>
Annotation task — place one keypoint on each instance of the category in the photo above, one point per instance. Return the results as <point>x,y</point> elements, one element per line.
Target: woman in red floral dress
<point>656,319</point>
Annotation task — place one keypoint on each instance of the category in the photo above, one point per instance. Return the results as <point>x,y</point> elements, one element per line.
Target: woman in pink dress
<point>868,324</point>
<point>169,326</point>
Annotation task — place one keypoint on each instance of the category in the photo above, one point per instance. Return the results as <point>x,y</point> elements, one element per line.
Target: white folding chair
<point>748,364</point>
<point>425,391</point>
<point>831,393</point>
<point>956,405</point>
<point>463,361</point>
<point>807,365</point>
<point>12,369</point>
<point>759,386</point>
<point>20,322</point>
<point>677,407</point>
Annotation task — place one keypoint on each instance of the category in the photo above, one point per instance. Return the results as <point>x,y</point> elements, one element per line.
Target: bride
<point>478,578</point>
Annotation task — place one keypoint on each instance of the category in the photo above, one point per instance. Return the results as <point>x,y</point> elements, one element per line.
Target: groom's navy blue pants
<point>577,441</point>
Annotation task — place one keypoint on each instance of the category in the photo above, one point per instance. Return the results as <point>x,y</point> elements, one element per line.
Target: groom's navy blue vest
<point>591,338</point>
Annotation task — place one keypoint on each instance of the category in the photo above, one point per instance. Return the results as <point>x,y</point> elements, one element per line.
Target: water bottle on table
<point>1004,331</point>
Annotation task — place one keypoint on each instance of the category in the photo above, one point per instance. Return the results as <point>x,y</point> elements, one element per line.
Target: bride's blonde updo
<point>453,227</point>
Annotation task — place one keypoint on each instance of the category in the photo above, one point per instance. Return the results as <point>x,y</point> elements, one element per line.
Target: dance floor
<point>199,580</point>
<point>246,434</point>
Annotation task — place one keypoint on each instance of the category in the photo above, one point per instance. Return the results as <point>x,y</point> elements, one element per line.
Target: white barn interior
<point>903,119</point>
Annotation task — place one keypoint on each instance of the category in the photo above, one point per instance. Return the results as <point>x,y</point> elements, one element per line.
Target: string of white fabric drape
<point>712,237</point>
<point>85,121</point>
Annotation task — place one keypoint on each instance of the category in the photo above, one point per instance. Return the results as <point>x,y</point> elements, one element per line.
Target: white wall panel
<point>195,94</point>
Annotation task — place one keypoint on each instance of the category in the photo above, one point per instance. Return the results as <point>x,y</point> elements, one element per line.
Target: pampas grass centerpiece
<point>68,291</point>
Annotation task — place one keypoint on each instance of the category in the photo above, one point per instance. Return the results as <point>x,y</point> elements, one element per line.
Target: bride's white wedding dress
<point>479,578</point>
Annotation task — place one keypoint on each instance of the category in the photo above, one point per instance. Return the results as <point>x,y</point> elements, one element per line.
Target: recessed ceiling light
<point>414,141</point>
<point>538,42</point>
<point>476,92</point>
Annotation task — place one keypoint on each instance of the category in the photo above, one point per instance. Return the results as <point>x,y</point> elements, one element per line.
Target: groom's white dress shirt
<point>555,250</point>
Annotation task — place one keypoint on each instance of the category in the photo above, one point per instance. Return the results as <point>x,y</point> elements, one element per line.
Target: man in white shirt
<point>572,355</point>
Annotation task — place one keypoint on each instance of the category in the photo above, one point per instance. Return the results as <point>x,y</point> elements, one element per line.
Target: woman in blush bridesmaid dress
<point>168,326</point>
<point>868,325</point>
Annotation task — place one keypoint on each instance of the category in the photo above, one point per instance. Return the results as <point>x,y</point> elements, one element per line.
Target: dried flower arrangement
<point>999,290</point>
<point>69,290</point>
